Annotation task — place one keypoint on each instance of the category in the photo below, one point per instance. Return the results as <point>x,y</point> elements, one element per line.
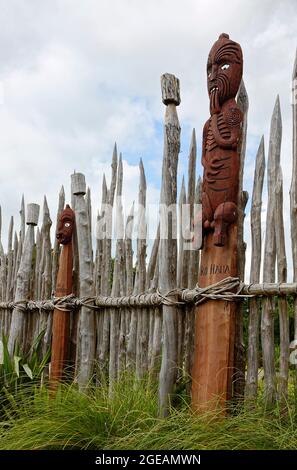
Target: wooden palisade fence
<point>131,311</point>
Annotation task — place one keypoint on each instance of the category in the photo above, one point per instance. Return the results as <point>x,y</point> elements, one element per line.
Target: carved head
<point>65,226</point>
<point>224,71</point>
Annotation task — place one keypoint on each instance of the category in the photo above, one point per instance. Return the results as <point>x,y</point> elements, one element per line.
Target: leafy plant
<point>17,368</point>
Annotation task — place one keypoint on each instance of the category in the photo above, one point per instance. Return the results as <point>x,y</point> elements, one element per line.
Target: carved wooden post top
<point>32,214</point>
<point>170,89</point>
<point>78,184</point>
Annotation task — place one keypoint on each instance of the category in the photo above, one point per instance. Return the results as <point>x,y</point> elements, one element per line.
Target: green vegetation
<point>35,419</point>
<point>20,368</point>
<point>32,417</point>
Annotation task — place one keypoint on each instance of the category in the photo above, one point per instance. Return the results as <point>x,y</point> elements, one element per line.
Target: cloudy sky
<point>77,76</point>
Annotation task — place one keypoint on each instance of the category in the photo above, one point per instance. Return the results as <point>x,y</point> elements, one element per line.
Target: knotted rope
<point>221,290</point>
<point>228,290</point>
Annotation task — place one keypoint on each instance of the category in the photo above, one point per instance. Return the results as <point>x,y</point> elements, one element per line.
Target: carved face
<point>224,71</point>
<point>65,226</point>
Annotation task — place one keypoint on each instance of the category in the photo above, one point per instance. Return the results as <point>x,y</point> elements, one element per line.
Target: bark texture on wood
<point>239,352</point>
<point>138,334</point>
<point>99,264</point>
<point>106,260</point>
<point>168,245</point>
<point>117,282</point>
<point>251,389</point>
<point>23,280</point>
<point>86,326</point>
<point>45,321</point>
<point>9,259</point>
<point>293,188</point>
<point>282,277</point>
<point>140,279</point>
<point>267,320</point>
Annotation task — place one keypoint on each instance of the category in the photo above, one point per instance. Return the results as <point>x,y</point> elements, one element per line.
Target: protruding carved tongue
<point>214,102</point>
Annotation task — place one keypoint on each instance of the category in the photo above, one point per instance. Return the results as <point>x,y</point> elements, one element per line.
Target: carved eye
<point>225,66</point>
<point>67,224</point>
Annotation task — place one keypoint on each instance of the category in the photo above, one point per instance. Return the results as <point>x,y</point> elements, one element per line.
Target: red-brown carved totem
<point>61,319</point>
<point>221,137</point>
<point>65,226</point>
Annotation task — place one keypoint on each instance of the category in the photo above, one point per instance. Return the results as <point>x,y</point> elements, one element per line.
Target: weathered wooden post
<point>251,389</point>
<point>215,319</point>
<point>9,259</point>
<point>61,319</point>
<point>140,279</point>
<point>23,280</point>
<point>117,282</point>
<point>45,319</point>
<point>168,241</point>
<point>85,353</point>
<point>293,190</point>
<point>106,259</point>
<point>243,196</point>
<point>284,327</point>
<point>137,348</point>
<point>267,318</point>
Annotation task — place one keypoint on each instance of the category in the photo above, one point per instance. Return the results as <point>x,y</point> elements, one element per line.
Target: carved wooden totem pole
<point>215,319</point>
<point>61,319</point>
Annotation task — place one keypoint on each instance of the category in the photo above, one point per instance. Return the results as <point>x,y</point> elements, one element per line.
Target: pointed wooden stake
<point>23,280</point>
<point>267,320</point>
<point>251,389</point>
<point>168,242</point>
<point>293,188</point>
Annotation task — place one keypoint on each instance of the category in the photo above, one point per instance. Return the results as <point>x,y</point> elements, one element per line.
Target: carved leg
<point>225,214</point>
<point>207,216</point>
<point>207,211</point>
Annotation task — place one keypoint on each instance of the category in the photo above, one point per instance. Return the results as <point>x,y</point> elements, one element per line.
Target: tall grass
<point>77,420</point>
<point>128,420</point>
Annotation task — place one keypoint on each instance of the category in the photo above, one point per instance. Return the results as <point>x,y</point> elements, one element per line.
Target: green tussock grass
<point>129,420</point>
<point>72,419</point>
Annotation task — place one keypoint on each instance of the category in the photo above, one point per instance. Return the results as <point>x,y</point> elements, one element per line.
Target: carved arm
<point>232,141</point>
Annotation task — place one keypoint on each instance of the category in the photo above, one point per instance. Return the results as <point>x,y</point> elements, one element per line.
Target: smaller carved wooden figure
<point>61,319</point>
<point>221,137</point>
<point>65,226</point>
